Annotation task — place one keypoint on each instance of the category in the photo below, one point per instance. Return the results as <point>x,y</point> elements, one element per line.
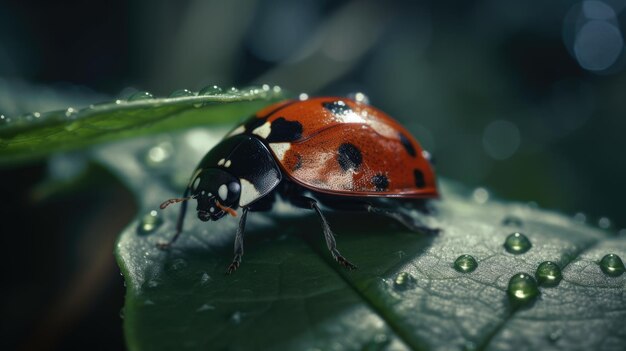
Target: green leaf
<point>290,295</point>
<point>39,134</point>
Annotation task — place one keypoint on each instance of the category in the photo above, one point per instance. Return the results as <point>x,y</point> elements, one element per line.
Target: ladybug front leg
<point>330,238</point>
<point>179,223</point>
<point>238,242</point>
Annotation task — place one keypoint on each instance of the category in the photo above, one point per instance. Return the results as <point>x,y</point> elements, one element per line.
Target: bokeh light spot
<point>598,45</point>
<point>501,139</point>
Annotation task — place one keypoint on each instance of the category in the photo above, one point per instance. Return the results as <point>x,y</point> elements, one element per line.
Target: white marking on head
<point>264,130</point>
<point>248,193</point>
<point>238,130</point>
<point>220,162</point>
<point>280,149</point>
<point>223,191</point>
<point>227,164</point>
<point>193,178</point>
<point>196,182</point>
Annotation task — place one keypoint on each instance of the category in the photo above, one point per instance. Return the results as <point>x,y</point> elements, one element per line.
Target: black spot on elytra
<point>284,131</point>
<point>419,178</point>
<point>381,182</point>
<point>337,107</point>
<point>407,144</point>
<point>349,156</point>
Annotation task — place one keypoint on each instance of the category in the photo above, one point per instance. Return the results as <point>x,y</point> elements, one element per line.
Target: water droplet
<point>604,223</point>
<point>71,112</point>
<point>205,278</point>
<point>177,264</point>
<point>555,335</point>
<point>140,95</point>
<point>580,217</point>
<point>156,155</point>
<point>512,221</point>
<point>205,307</point>
<point>522,288</point>
<point>403,280</point>
<point>181,93</point>
<point>153,283</point>
<point>548,274</point>
<point>236,317</point>
<point>465,264</point>
<point>210,90</point>
<point>149,223</point>
<point>379,342</point>
<point>517,243</point>
<point>480,195</point>
<point>612,265</point>
<point>277,89</point>
<point>4,120</point>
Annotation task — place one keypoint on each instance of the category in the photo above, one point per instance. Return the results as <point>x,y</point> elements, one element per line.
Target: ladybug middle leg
<point>330,237</point>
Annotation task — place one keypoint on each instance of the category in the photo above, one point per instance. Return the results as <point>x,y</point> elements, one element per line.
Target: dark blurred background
<point>522,98</point>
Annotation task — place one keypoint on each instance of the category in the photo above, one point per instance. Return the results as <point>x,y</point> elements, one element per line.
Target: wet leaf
<point>406,294</point>
<point>38,134</point>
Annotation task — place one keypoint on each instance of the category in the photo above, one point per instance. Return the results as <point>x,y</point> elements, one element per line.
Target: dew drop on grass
<point>181,93</point>
<point>465,264</point>
<point>612,265</point>
<point>548,274</point>
<point>149,223</point>
<point>210,90</point>
<point>403,280</point>
<point>140,95</point>
<point>517,243</point>
<point>71,112</point>
<point>522,288</point>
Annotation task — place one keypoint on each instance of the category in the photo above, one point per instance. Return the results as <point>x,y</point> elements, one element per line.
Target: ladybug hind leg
<point>413,220</point>
<point>330,237</point>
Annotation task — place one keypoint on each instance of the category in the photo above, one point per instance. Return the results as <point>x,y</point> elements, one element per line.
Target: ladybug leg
<point>330,238</point>
<point>179,224</point>
<point>410,221</point>
<point>238,242</point>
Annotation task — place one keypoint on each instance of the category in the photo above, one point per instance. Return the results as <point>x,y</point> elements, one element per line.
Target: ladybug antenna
<point>175,201</point>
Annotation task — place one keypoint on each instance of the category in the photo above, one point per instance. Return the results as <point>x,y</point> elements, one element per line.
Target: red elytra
<point>383,158</point>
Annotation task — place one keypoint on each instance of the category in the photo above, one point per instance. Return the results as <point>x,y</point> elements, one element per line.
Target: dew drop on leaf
<point>140,95</point>
<point>465,264</point>
<point>604,223</point>
<point>210,90</point>
<point>403,280</point>
<point>379,342</point>
<point>517,243</point>
<point>512,221</point>
<point>205,307</point>
<point>548,274</point>
<point>522,288</point>
<point>612,265</point>
<point>181,93</point>
<point>149,223</point>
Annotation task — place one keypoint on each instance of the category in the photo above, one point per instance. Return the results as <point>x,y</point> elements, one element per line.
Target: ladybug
<point>328,152</point>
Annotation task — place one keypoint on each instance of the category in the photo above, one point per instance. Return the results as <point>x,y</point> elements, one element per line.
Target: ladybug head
<point>217,193</point>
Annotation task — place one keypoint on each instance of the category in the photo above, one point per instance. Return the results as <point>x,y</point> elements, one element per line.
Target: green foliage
<point>39,134</point>
<point>407,293</point>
